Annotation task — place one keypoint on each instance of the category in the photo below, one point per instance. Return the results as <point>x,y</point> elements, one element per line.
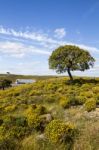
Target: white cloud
<point>22,44</point>
<point>43,39</point>
<point>17,49</point>
<point>91,49</point>
<point>60,33</point>
<point>40,37</point>
<point>45,43</point>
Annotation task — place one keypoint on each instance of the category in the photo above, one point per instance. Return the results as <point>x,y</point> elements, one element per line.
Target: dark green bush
<point>17,132</point>
<point>7,143</point>
<point>81,100</point>
<point>21,121</point>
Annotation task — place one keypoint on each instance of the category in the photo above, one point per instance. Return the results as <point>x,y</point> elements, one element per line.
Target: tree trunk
<point>69,73</point>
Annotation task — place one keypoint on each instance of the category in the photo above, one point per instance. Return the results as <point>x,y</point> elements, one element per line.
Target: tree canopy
<point>5,83</point>
<point>70,58</point>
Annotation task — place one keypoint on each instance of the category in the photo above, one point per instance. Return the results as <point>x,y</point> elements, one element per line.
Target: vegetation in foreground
<point>51,114</point>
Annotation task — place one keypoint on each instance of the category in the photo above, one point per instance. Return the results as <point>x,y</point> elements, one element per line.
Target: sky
<point>31,29</point>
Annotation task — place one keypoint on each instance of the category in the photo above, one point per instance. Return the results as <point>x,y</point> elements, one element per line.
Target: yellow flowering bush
<point>60,131</point>
<point>33,118</point>
<point>33,121</point>
<point>10,108</point>
<point>40,110</point>
<point>8,121</point>
<point>87,94</point>
<point>65,102</point>
<point>96,89</point>
<point>90,104</point>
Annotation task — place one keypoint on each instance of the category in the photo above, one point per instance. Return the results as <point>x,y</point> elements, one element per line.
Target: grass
<point>24,112</point>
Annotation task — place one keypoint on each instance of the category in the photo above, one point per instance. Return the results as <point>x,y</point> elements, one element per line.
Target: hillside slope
<point>29,112</point>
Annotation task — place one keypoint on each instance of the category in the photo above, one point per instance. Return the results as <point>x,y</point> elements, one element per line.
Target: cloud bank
<point>20,44</point>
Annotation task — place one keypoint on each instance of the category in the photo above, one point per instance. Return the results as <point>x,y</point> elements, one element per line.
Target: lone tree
<point>4,83</point>
<point>70,58</point>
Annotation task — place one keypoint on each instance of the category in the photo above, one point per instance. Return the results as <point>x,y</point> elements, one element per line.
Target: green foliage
<point>97,98</point>
<point>5,83</point>
<point>21,121</point>
<point>18,132</point>
<point>7,143</point>
<point>81,99</point>
<point>8,121</point>
<point>68,57</point>
<point>90,105</point>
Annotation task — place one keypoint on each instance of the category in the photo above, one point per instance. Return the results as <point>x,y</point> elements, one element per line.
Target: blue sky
<point>31,29</point>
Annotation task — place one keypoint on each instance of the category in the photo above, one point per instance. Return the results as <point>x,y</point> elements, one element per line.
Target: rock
<point>92,114</point>
<point>40,137</point>
<point>48,117</point>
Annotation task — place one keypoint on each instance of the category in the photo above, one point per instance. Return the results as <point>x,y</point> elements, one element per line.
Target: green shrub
<point>73,100</point>
<point>21,121</point>
<point>17,131</point>
<point>81,99</point>
<point>96,89</point>
<point>88,94</point>
<point>40,110</point>
<point>36,109</point>
<point>58,131</point>
<point>35,92</point>
<point>51,87</point>
<point>8,121</point>
<point>90,105</point>
<point>2,130</point>
<point>10,108</point>
<point>7,143</point>
<point>97,99</point>
<point>86,86</point>
<point>51,98</point>
<point>65,102</point>
<point>16,93</point>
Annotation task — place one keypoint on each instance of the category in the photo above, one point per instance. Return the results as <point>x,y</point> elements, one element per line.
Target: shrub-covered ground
<point>51,114</point>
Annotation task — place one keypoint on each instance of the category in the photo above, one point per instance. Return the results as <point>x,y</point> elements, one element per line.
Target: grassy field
<point>51,114</point>
<point>13,77</point>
